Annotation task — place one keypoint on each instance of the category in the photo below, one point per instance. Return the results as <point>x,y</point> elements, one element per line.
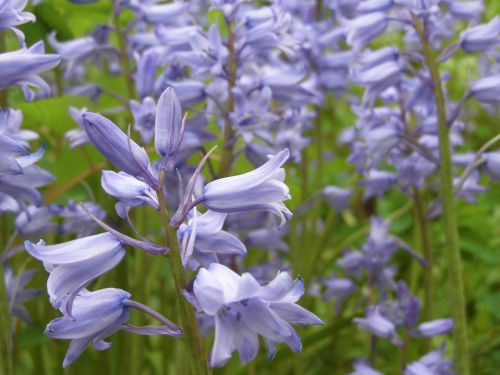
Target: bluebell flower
<point>377,182</point>
<point>75,51</point>
<point>169,125</point>
<point>361,367</point>
<point>260,189</point>
<point>38,221</point>
<point>202,240</point>
<point>377,79</point>
<point>362,30</point>
<point>243,310</point>
<point>96,316</point>
<point>435,328</point>
<point>147,64</point>
<point>144,118</point>
<point>269,236</point>
<point>118,148</point>
<point>77,137</point>
<point>75,264</point>
<point>379,326</point>
<point>11,14</point>
<point>482,37</point>
<point>470,187</point>
<point>189,92</point>
<point>159,13</point>
<point>467,10</point>
<point>486,90</point>
<point>17,292</point>
<point>368,6</point>
<point>339,289</point>
<point>337,197</point>
<point>77,221</point>
<point>129,191</point>
<point>22,67</point>
<point>431,364</point>
<point>491,165</point>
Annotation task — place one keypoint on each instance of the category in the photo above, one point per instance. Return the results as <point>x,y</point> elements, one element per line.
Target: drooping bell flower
<point>260,189</point>
<point>481,38</point>
<point>379,326</point>
<point>118,148</point>
<point>96,316</point>
<point>22,67</point>
<point>243,310</point>
<point>129,191</point>
<point>202,240</point>
<point>75,264</point>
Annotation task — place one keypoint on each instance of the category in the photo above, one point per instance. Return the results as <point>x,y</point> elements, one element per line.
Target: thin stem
<point>461,355</point>
<point>122,46</point>
<point>61,189</point>
<point>227,151</point>
<point>6,363</point>
<point>426,246</point>
<point>475,162</point>
<point>194,342</point>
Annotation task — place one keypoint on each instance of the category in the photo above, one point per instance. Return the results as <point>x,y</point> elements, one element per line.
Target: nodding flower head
<point>260,189</point>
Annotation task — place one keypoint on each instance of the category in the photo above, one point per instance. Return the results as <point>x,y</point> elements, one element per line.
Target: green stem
<point>426,246</point>
<point>6,365</point>
<point>122,47</point>
<point>193,340</point>
<point>4,102</point>
<point>313,256</point>
<point>228,149</point>
<point>461,355</point>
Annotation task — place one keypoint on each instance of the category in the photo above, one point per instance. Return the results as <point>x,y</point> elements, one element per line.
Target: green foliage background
<point>328,349</point>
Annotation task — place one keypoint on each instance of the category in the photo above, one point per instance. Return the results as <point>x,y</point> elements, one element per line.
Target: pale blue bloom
<point>129,191</point>
<point>75,264</point>
<point>96,316</point>
<point>260,189</point>
<point>481,38</point>
<point>243,310</point>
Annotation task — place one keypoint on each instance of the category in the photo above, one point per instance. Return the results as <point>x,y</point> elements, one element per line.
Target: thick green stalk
<point>122,47</point>
<point>191,335</point>
<point>461,355</point>
<point>228,149</point>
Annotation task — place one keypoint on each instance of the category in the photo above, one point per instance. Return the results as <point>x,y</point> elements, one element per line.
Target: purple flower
<point>363,368</point>
<point>22,67</point>
<point>337,197</point>
<point>144,118</point>
<point>129,191</point>
<point>11,14</point>
<point>379,326</point>
<point>377,182</point>
<point>77,137</point>
<point>37,221</point>
<point>202,240</point>
<point>492,165</point>
<point>77,221</point>
<point>482,37</point>
<point>435,328</point>
<point>243,310</point>
<point>368,6</point>
<point>118,148</point>
<point>168,124</point>
<point>260,189</point>
<point>96,316</point>
<point>18,293</point>
<point>469,10</point>
<point>431,364</point>
<point>363,29</point>
<point>75,264</point>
